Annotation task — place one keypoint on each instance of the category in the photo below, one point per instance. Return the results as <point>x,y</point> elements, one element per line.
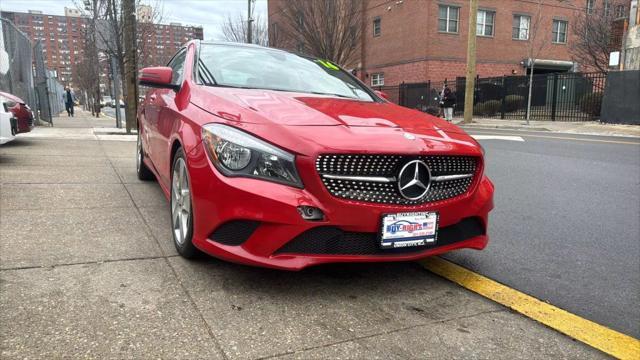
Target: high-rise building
<point>63,38</point>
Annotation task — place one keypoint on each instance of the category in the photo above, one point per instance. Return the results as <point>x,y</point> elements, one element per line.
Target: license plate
<point>409,229</point>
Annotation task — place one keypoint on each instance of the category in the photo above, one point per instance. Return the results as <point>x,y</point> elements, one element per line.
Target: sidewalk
<point>82,126</point>
<point>88,269</point>
<point>584,127</point>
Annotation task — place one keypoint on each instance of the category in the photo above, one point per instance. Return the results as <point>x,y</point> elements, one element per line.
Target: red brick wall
<point>411,49</point>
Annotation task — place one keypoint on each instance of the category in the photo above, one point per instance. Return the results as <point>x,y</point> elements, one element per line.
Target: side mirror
<point>157,77</point>
<point>382,94</point>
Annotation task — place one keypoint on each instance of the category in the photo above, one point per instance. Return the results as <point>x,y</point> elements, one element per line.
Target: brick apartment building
<point>63,39</point>
<point>419,40</point>
<point>61,36</point>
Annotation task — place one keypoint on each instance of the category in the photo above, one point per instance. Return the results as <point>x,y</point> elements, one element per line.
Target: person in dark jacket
<point>68,101</point>
<point>449,102</point>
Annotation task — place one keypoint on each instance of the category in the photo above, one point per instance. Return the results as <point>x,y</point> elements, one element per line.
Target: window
<point>560,31</point>
<point>485,23</point>
<point>177,65</point>
<point>260,68</point>
<point>377,79</point>
<point>620,11</point>
<point>607,8</point>
<point>448,18</point>
<point>376,26</point>
<point>590,5</point>
<point>521,27</point>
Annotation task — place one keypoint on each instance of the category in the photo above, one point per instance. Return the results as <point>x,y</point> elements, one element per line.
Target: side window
<point>177,65</point>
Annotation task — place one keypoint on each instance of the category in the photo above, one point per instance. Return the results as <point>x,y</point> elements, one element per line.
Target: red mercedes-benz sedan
<point>285,161</point>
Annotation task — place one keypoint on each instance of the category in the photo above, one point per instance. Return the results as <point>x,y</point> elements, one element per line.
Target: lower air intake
<point>330,240</point>
<point>234,232</point>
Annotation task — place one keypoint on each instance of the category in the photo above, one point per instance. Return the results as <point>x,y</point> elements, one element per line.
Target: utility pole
<point>130,63</point>
<point>470,82</point>
<point>249,22</point>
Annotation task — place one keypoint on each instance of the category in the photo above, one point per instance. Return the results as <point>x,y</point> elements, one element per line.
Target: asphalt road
<point>566,223</point>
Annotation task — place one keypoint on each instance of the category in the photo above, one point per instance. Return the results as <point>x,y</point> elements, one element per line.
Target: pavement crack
<point>166,259</point>
<point>85,263</point>
<point>387,332</point>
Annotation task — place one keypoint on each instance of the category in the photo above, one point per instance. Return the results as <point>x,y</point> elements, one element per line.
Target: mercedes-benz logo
<point>414,180</point>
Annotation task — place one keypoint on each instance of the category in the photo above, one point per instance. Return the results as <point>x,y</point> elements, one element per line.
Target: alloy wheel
<point>180,202</point>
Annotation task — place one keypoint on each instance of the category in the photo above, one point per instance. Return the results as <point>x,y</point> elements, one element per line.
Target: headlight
<point>236,153</point>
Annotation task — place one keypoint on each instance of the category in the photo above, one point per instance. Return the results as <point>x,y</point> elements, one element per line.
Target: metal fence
<point>555,97</point>
<point>42,92</point>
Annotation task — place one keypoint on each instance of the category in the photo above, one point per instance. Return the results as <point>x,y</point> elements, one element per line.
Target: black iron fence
<point>555,97</point>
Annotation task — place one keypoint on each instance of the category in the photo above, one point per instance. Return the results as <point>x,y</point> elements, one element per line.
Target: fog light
<point>310,213</point>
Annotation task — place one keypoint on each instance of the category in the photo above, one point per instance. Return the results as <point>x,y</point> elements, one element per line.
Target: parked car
<point>112,103</point>
<point>274,159</point>
<point>20,115</point>
<point>106,101</point>
<point>6,126</point>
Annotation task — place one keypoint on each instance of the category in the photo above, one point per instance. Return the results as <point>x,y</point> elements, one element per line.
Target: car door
<point>167,118</point>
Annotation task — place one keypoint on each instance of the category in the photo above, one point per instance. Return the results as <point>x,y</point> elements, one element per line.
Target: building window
<point>590,5</point>
<point>521,27</point>
<point>485,23</point>
<point>607,8</point>
<point>560,31</point>
<point>377,79</point>
<point>448,18</point>
<point>376,26</point>
<point>620,11</point>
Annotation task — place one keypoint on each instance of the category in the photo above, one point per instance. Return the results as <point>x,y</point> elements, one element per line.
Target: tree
<point>234,29</point>
<point>329,29</point>
<point>594,37</point>
<point>110,33</point>
<point>130,78</point>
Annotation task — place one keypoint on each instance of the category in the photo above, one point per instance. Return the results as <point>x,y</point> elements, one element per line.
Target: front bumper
<point>256,222</point>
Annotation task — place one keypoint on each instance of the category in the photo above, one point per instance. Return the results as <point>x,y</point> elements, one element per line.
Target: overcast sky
<point>208,13</point>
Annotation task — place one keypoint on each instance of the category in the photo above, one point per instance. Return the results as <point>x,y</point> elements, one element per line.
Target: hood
<point>12,97</point>
<point>253,106</point>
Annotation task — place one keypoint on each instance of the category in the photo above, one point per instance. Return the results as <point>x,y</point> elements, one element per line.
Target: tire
<point>142,170</point>
<point>181,207</point>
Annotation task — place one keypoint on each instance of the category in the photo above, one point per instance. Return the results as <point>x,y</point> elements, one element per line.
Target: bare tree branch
<point>594,37</point>
<point>329,29</point>
<point>234,29</point>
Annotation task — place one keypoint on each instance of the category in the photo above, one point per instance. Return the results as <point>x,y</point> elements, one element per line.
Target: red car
<point>22,117</point>
<point>284,161</point>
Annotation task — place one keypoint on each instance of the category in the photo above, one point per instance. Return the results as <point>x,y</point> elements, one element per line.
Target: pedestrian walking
<point>68,101</point>
<point>448,103</point>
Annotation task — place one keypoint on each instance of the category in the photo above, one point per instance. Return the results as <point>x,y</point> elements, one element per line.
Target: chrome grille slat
<point>344,170</point>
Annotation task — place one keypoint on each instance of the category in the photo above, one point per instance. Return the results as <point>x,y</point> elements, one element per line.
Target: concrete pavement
<point>88,269</point>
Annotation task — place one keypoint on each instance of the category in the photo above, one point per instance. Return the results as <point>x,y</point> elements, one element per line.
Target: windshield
<point>261,68</point>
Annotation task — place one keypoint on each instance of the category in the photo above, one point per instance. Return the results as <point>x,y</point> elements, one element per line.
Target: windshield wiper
<point>332,94</point>
<point>283,90</point>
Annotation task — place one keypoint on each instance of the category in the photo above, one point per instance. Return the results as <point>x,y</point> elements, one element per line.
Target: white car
<point>6,132</point>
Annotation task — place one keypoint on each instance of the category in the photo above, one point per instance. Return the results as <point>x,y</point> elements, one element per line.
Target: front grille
<point>234,232</point>
<point>388,166</point>
<point>330,240</point>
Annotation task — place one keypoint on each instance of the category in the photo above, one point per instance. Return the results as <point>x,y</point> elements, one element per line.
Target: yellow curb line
<point>595,335</point>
